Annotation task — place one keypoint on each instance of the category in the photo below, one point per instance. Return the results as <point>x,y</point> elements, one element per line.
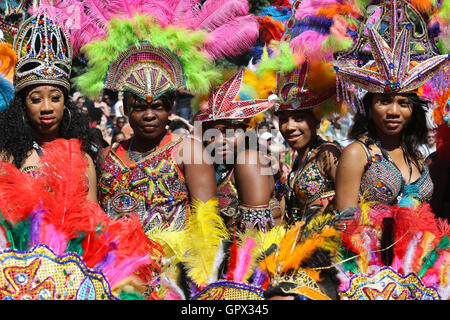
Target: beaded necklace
<point>136,156</point>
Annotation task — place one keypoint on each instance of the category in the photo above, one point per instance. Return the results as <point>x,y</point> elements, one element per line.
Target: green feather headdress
<point>141,56</point>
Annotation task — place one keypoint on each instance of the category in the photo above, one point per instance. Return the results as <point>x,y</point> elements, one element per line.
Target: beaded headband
<point>229,290</point>
<point>40,274</point>
<point>392,53</point>
<point>146,71</point>
<point>44,54</point>
<point>387,284</point>
<point>223,103</point>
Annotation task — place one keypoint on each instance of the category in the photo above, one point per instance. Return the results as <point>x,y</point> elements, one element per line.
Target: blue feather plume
<point>6,93</point>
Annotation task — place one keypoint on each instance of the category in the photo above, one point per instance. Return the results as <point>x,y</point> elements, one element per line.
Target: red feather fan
<point>233,259</point>
<point>270,29</point>
<point>19,193</point>
<point>65,173</point>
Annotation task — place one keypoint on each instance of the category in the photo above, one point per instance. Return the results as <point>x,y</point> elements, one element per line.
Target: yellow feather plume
<point>205,229</point>
<point>173,242</point>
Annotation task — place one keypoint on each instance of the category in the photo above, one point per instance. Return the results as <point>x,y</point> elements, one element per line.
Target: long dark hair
<point>413,135</point>
<point>16,137</point>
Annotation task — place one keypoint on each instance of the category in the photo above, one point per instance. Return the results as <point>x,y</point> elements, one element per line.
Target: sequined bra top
<point>382,182</point>
<point>313,181</point>
<point>154,187</point>
<point>227,196</point>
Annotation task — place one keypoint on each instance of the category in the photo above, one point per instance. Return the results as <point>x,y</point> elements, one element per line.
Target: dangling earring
<point>70,117</point>
<point>23,119</point>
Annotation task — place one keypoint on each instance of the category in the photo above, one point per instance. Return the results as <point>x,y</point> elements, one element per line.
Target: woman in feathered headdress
<point>384,164</point>
<point>41,111</point>
<point>245,181</point>
<point>305,93</point>
<point>151,50</point>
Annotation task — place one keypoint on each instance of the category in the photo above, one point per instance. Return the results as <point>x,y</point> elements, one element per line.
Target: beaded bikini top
<point>311,182</point>
<point>228,197</point>
<point>154,187</point>
<point>383,182</point>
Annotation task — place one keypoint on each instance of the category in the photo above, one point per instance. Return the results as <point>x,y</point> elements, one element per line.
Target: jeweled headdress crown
<point>393,52</point>
<point>44,54</point>
<point>146,71</point>
<point>224,102</point>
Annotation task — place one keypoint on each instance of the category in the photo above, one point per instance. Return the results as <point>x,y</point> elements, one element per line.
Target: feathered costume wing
<point>52,210</point>
<point>400,241</point>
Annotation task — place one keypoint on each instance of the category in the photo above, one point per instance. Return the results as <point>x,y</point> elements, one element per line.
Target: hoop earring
<point>70,117</point>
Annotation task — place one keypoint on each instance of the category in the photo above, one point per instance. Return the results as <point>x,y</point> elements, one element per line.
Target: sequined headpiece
<point>11,27</point>
<point>146,71</point>
<point>294,95</point>
<point>387,284</point>
<point>40,274</point>
<point>392,53</point>
<point>44,54</point>
<point>299,284</point>
<point>230,290</point>
<point>224,102</point>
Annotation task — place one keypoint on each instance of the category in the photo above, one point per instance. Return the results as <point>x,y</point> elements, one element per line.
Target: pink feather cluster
<point>231,29</point>
<point>56,206</point>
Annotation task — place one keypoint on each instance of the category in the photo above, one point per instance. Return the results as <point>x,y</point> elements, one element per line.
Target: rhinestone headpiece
<point>44,54</point>
<point>146,71</point>
<point>393,53</point>
<point>224,102</point>
<point>294,95</point>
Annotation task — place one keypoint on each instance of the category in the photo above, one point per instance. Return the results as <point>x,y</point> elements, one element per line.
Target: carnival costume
<point>225,103</point>
<point>392,53</point>
<point>395,253</point>
<point>302,264</point>
<point>150,48</point>
<point>396,249</point>
<point>205,264</point>
<point>56,244</point>
<point>306,81</point>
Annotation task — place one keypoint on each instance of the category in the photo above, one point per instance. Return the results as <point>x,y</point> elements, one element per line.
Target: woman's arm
<point>197,169</point>
<point>92,179</point>
<point>254,178</point>
<point>348,176</point>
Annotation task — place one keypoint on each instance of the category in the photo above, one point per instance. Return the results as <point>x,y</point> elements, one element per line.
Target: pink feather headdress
<point>231,29</point>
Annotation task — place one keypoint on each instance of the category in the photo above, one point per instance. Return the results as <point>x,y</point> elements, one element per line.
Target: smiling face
<point>45,109</point>
<point>298,127</point>
<point>391,113</point>
<point>148,120</point>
